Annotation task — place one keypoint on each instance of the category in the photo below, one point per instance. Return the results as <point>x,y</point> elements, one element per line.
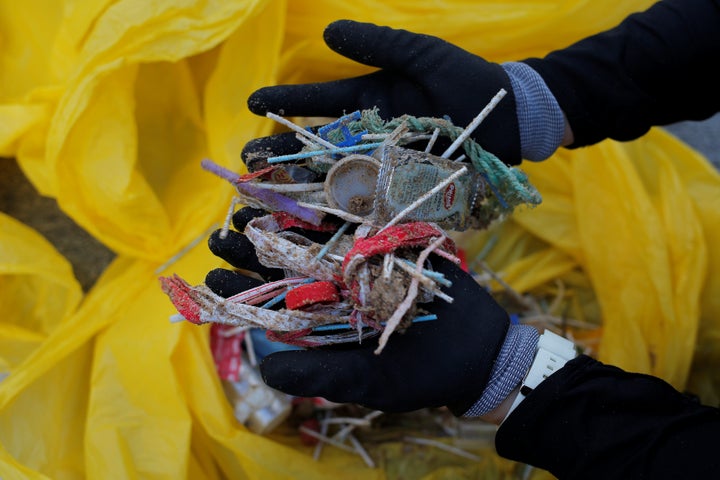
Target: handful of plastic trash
<point>387,208</point>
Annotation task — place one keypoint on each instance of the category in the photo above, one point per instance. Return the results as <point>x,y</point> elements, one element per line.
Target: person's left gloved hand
<point>418,75</point>
<point>236,249</point>
<point>422,76</point>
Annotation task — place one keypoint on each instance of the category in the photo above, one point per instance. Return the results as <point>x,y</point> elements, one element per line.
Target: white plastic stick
<point>333,211</point>
<point>433,139</point>
<point>300,130</point>
<point>475,123</point>
<point>443,446</point>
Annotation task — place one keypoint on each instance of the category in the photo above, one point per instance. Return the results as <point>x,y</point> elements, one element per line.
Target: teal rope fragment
<point>509,184</point>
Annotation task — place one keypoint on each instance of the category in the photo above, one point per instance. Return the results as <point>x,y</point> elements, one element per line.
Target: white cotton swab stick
<point>291,187</point>
<point>185,249</point>
<point>433,139</point>
<point>300,130</point>
<point>361,451</point>
<point>412,291</point>
<point>443,446</point>
<point>475,123</point>
<point>343,432</point>
<point>323,431</point>
<point>326,439</point>
<point>228,217</point>
<point>349,217</point>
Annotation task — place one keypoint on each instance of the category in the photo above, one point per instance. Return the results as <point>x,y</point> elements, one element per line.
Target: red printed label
<point>449,196</point>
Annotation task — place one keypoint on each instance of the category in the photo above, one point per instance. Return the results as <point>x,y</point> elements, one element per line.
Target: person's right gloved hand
<point>422,75</point>
<point>451,361</point>
<point>469,359</point>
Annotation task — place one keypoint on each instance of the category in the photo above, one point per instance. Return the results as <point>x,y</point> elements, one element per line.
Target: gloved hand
<point>421,75</point>
<point>239,252</point>
<point>446,362</point>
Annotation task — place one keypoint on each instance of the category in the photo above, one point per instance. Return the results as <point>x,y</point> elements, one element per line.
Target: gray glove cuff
<point>512,363</point>
<point>540,118</point>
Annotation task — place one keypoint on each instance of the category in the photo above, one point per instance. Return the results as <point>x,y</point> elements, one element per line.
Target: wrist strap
<point>553,352</point>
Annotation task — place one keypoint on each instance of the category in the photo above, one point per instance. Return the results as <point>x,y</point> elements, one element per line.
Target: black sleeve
<point>593,421</point>
<point>657,67</point>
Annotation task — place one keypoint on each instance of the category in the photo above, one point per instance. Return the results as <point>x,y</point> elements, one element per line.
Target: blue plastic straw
<point>332,241</point>
<point>329,151</point>
<point>437,276</point>
<point>346,326</point>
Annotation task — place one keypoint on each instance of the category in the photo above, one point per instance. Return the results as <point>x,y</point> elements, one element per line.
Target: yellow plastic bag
<point>112,114</point>
<point>37,290</point>
<point>117,133</point>
<point>629,218</point>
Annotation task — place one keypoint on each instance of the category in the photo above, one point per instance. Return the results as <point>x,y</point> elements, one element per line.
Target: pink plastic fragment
<point>226,352</point>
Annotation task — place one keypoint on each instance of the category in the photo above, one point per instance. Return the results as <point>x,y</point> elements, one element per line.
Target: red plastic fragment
<point>226,351</point>
<point>285,221</point>
<point>253,175</point>
<point>179,292</point>
<point>317,292</point>
<point>311,424</point>
<point>463,260</point>
<point>412,234</point>
<point>295,337</point>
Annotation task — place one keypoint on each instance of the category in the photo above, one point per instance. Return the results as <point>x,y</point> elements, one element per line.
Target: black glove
<point>419,75</point>
<point>239,252</point>
<point>236,249</point>
<point>444,362</point>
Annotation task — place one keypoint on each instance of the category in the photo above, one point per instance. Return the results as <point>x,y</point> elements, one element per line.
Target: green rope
<point>510,184</point>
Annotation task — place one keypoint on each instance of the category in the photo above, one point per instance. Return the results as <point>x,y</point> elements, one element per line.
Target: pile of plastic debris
<point>386,209</point>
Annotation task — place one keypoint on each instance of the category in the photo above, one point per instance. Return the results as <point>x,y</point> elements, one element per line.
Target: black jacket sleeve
<point>657,67</point>
<point>593,421</point>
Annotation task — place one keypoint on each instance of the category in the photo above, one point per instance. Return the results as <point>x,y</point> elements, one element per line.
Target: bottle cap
<point>350,184</point>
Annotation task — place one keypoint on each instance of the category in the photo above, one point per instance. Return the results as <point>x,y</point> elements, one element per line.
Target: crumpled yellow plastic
<point>120,142</point>
<point>37,290</point>
<point>38,293</point>
<point>637,220</point>
<point>109,106</point>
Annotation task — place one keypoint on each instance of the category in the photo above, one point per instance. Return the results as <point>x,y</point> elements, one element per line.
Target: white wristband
<point>553,351</point>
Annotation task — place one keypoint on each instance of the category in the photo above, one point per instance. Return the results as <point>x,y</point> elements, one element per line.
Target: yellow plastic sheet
<point>120,140</point>
<point>109,106</point>
<point>627,217</point>
<point>37,290</point>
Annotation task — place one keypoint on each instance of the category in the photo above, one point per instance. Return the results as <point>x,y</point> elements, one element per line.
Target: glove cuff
<point>512,363</point>
<point>540,118</point>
